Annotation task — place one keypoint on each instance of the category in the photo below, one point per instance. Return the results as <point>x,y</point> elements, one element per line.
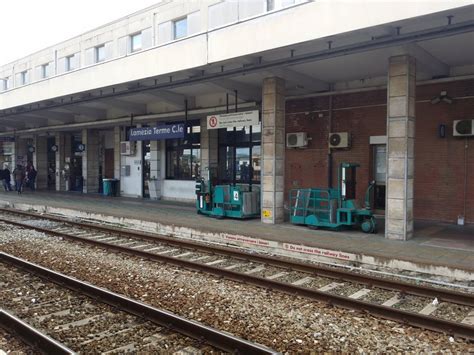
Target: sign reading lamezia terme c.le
<point>166,131</point>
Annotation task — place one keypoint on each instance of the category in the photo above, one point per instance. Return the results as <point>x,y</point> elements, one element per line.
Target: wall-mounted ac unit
<point>127,148</point>
<point>296,140</point>
<point>463,128</point>
<point>339,140</point>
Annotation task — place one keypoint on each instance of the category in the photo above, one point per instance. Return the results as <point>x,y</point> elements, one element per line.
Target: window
<point>44,71</point>
<point>100,53</point>
<point>270,5</point>
<point>4,84</point>
<point>136,42</point>
<point>239,155</point>
<point>183,156</point>
<point>24,77</point>
<point>180,28</point>
<point>70,63</point>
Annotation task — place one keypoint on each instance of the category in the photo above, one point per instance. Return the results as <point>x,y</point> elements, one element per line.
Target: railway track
<point>437,309</point>
<point>89,319</point>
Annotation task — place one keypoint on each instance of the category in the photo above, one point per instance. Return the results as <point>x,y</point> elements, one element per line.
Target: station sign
<point>234,119</point>
<point>166,131</point>
<point>7,139</point>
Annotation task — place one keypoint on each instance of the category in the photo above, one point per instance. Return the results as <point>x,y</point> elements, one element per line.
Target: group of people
<point>22,176</point>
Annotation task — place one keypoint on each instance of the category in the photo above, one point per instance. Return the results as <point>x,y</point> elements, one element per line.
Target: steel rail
<point>414,319</point>
<point>190,328</point>
<point>32,336</point>
<point>441,294</point>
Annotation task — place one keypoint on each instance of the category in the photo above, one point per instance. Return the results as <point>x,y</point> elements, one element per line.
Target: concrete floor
<point>434,243</point>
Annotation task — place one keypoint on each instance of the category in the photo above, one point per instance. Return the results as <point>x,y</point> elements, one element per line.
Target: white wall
<point>310,21</point>
<point>179,190</point>
<point>131,186</point>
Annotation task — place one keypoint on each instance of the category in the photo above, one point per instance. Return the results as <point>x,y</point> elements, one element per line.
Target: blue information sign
<point>7,139</point>
<point>166,131</point>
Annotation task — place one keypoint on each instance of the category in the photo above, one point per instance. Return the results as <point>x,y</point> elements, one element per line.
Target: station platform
<point>437,248</point>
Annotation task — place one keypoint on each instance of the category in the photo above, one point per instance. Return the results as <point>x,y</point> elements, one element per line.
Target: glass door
<point>379,174</point>
<point>146,155</point>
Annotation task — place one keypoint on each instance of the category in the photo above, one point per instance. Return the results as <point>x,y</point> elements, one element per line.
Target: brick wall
<point>439,162</point>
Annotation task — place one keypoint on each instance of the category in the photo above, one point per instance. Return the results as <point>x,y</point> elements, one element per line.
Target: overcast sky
<point>27,26</point>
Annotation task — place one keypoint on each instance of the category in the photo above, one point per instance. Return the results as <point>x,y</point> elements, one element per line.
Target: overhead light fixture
<point>442,97</point>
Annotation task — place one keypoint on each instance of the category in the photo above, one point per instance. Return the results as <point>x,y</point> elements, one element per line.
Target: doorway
<point>109,163</point>
<point>379,174</point>
<point>51,156</point>
<point>146,155</point>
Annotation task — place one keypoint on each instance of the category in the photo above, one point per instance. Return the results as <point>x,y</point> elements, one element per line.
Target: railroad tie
<point>153,249</point>
<point>392,301</point>
<point>125,244</point>
<point>330,287</point>
<point>302,281</point>
<point>215,262</point>
<point>95,237</point>
<point>167,251</point>
<point>469,320</point>
<point>278,275</point>
<point>184,254</point>
<point>140,246</point>
<point>108,239</point>
<point>360,293</point>
<point>201,258</point>
<point>255,270</point>
<point>429,308</point>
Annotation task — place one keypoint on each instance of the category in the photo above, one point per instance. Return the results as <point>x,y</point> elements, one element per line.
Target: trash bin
<point>110,187</point>
<point>107,187</point>
<point>115,186</point>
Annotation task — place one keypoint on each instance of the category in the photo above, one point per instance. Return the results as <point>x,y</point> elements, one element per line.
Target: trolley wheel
<point>369,225</point>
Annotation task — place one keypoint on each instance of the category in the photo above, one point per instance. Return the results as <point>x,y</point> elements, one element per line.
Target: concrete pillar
<point>59,140</point>
<point>400,147</point>
<point>117,139</point>
<point>273,150</point>
<point>90,161</point>
<point>209,149</point>
<point>155,168</point>
<point>40,161</point>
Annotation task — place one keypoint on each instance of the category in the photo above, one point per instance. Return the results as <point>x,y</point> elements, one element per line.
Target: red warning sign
<point>213,121</point>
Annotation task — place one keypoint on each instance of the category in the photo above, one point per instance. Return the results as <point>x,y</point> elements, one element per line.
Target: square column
<point>40,161</point>
<point>118,137</point>
<point>155,169</point>
<point>59,140</point>
<point>400,147</point>
<point>273,150</point>
<point>90,161</point>
<point>209,149</point>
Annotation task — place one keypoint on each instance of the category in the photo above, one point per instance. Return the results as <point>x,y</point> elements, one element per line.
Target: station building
<point>387,85</point>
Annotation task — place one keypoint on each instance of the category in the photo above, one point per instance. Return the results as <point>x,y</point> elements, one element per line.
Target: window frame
<point>4,82</point>
<point>191,145</point>
<point>44,70</point>
<point>136,35</point>
<point>97,50</point>
<point>23,78</point>
<point>175,22</point>
<point>234,145</point>
<point>68,59</point>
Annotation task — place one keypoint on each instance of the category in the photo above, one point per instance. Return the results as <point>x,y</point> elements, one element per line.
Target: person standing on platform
<point>2,176</point>
<point>31,176</point>
<point>19,174</point>
<point>6,178</point>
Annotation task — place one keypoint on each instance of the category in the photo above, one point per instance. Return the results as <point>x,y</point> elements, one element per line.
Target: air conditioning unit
<point>339,140</point>
<point>463,128</point>
<point>127,148</point>
<point>296,140</point>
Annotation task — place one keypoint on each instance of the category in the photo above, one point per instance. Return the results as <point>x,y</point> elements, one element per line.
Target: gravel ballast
<point>285,323</point>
